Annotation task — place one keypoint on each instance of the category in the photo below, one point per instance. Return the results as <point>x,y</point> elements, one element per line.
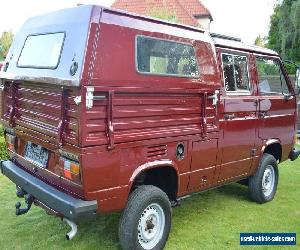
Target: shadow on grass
<point>104,228</point>
<point>235,191</point>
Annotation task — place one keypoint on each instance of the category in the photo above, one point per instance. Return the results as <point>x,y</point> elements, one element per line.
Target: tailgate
<point>40,122</point>
<point>48,109</point>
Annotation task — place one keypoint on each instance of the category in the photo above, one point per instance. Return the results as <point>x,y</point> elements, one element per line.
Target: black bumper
<point>64,204</point>
<point>294,154</point>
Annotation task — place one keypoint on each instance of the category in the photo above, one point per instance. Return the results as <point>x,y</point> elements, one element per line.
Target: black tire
<point>140,199</point>
<point>257,190</point>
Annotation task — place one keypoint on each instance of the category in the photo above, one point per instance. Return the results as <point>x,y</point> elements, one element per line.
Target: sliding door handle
<point>262,114</point>
<point>229,116</point>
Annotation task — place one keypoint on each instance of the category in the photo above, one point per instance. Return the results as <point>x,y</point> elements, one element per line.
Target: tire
<point>263,185</point>
<point>147,207</point>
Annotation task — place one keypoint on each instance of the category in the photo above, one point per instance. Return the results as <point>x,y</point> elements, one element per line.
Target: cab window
<point>235,73</point>
<point>270,76</point>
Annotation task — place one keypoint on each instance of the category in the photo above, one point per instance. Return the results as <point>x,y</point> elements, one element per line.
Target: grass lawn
<point>211,220</point>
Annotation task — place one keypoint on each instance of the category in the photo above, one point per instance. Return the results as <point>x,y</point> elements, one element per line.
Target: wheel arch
<point>164,169</point>
<point>273,147</point>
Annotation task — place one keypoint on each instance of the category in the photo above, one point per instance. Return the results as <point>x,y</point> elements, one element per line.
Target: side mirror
<point>297,80</point>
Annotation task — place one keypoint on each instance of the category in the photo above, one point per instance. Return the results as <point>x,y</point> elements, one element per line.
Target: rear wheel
<point>146,220</point>
<point>263,185</point>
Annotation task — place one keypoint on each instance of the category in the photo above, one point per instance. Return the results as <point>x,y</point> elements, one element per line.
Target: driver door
<point>277,107</point>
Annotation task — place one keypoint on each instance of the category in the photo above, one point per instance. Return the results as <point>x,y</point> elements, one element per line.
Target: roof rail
<point>215,35</point>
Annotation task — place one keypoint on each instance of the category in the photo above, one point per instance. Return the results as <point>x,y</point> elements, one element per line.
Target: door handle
<point>287,97</point>
<point>229,117</point>
<point>214,97</point>
<point>262,114</point>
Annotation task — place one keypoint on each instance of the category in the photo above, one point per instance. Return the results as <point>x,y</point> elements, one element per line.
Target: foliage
<point>5,43</point>
<point>284,33</point>
<point>1,131</point>
<point>267,69</point>
<point>158,64</point>
<point>291,69</point>
<point>3,150</point>
<point>259,41</point>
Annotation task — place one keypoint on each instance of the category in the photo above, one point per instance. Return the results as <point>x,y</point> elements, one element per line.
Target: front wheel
<point>146,220</point>
<point>263,185</point>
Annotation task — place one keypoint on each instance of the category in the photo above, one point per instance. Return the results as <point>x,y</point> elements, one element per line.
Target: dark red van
<point>106,110</point>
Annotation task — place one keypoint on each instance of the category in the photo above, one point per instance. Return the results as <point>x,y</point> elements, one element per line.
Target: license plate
<point>36,154</point>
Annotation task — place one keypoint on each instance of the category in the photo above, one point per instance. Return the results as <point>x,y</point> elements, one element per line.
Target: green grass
<point>211,220</point>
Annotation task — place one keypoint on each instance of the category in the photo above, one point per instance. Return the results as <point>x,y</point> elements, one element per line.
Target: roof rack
<point>215,35</point>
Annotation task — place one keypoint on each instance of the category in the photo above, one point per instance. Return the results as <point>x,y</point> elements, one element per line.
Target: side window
<point>270,76</point>
<point>163,57</point>
<point>235,72</point>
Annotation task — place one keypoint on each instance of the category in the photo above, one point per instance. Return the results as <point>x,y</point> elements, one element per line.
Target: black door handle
<point>229,117</point>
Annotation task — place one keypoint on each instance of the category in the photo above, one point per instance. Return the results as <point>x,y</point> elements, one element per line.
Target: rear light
<point>74,168</point>
<point>69,164</point>
<point>71,169</point>
<point>11,142</point>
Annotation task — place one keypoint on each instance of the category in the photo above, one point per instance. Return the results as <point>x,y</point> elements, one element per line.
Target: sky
<point>240,18</point>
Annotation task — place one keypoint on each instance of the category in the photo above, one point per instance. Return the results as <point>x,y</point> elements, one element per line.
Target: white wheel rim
<point>151,226</point>
<point>268,180</point>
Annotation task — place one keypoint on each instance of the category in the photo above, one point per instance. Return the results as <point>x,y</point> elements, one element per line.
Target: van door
<point>276,105</point>
<point>239,116</point>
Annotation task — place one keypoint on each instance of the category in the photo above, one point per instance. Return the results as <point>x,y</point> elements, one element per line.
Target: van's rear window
<point>42,51</point>
<point>165,57</point>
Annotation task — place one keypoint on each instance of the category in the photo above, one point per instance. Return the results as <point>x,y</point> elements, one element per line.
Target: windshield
<point>42,51</point>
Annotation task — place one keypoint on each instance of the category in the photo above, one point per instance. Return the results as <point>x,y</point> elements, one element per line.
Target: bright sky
<point>242,18</point>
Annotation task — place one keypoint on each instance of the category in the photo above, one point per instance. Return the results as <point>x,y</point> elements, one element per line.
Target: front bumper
<point>72,208</point>
<point>294,154</point>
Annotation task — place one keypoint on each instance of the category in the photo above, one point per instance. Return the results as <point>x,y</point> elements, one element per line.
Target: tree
<point>284,33</point>
<point>259,41</point>
<point>5,43</point>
